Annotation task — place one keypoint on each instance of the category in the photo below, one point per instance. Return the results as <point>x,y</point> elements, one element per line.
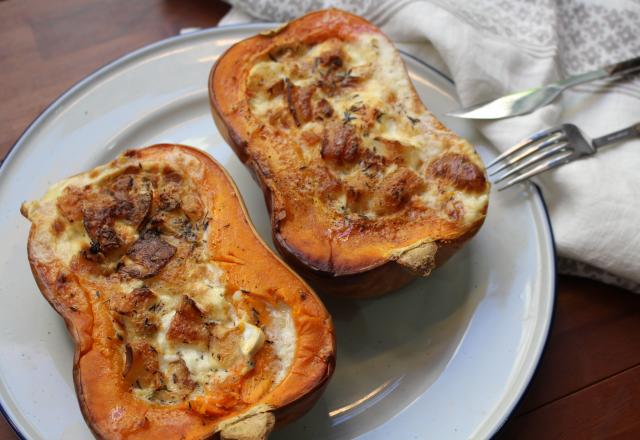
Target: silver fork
<point>549,149</point>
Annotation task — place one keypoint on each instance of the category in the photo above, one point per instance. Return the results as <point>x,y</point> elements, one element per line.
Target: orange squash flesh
<point>103,356</point>
<point>278,99</point>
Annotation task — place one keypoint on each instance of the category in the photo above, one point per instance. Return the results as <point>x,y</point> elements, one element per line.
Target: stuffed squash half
<point>366,188</point>
<point>186,325</point>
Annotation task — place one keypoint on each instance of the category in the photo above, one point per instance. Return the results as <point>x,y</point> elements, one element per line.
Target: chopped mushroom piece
<point>147,256</point>
<point>188,325</point>
<point>138,309</point>
<point>299,101</point>
<point>133,197</point>
<point>340,143</point>
<point>99,218</point>
<point>324,109</point>
<point>179,378</point>
<point>142,367</point>
<point>458,171</point>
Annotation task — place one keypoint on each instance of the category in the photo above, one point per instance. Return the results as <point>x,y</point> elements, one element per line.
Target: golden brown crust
<point>346,197</point>
<point>116,327</point>
<point>459,171</point>
<point>136,308</point>
<point>188,324</point>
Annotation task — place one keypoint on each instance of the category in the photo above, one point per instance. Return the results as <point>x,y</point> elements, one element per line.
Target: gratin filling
<point>367,148</point>
<point>140,231</point>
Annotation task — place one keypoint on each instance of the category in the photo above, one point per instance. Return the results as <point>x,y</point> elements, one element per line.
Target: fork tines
<point>527,158</point>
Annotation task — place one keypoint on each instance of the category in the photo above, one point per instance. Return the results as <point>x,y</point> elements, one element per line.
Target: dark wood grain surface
<point>588,382</point>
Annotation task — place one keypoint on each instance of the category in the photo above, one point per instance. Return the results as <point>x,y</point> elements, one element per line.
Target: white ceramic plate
<point>446,357</point>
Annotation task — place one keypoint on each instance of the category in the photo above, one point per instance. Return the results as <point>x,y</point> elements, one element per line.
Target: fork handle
<point>626,133</point>
<point>627,66</point>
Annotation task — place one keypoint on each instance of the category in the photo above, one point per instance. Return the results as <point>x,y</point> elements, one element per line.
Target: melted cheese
<point>384,86</point>
<point>252,339</point>
<point>202,364</point>
<point>284,338</point>
<point>208,292</point>
<point>44,212</point>
<point>72,241</point>
<point>203,282</point>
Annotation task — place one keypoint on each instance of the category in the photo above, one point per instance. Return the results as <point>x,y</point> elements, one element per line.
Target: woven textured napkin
<point>491,48</point>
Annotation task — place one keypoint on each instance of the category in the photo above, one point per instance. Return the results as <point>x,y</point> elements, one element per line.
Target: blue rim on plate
<point>131,55</point>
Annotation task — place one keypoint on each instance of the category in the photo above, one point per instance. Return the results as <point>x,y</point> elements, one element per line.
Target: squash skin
<point>110,411</point>
<point>384,267</point>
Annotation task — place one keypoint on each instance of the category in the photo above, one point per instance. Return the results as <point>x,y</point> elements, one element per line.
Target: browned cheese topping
<point>137,234</point>
<point>353,138</point>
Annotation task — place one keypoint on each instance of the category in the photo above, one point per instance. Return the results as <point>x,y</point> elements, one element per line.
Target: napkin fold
<point>491,48</point>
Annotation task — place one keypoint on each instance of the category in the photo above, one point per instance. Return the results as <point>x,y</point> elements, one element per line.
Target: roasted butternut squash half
<point>186,325</point>
<point>366,188</point>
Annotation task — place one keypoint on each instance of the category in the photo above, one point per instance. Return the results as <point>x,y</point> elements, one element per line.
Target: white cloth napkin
<point>491,48</point>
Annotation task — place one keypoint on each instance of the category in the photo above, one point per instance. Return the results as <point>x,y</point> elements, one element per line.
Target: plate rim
<point>550,321</point>
<point>129,56</point>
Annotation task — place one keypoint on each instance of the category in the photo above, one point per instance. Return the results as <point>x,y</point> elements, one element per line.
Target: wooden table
<point>588,383</point>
